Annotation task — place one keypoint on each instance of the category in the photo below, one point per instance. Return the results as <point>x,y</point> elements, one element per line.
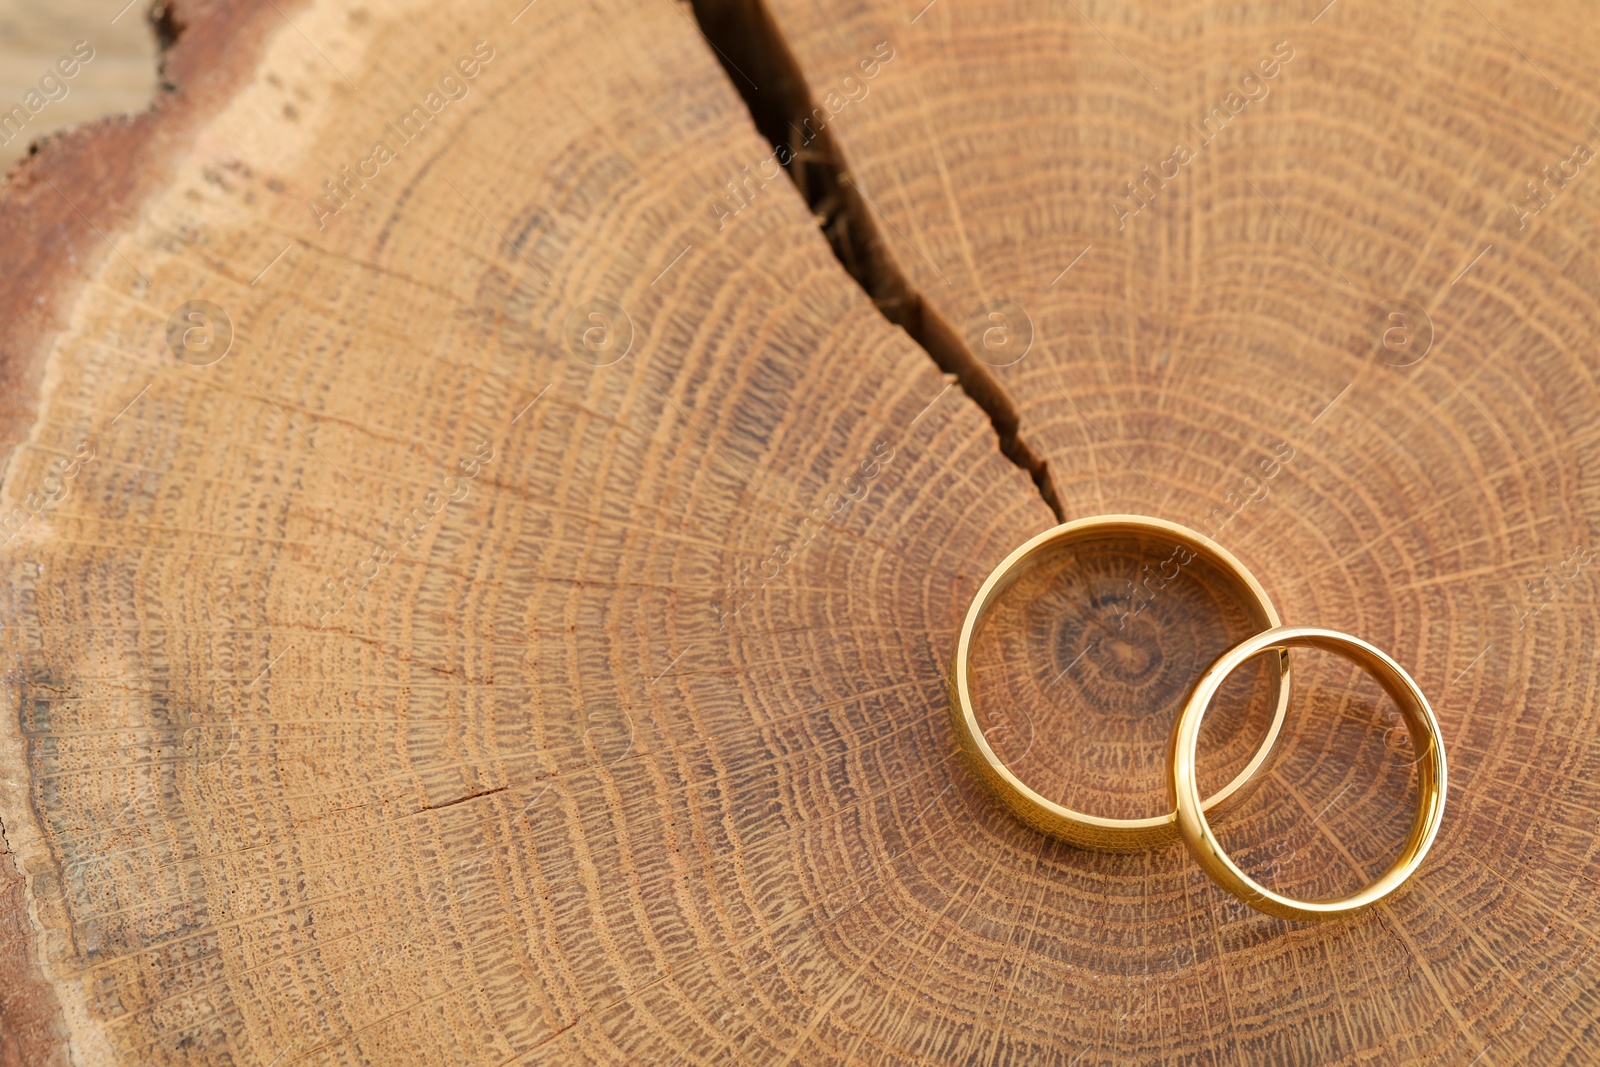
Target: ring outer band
<point>1421,724</point>
<point>1076,827</point>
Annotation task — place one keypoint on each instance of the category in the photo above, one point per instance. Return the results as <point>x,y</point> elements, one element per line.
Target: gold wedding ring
<point>1078,827</point>
<point>1188,818</point>
<point>1420,724</point>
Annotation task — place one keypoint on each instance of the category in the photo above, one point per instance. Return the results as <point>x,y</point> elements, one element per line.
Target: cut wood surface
<point>1299,177</point>
<point>481,571</point>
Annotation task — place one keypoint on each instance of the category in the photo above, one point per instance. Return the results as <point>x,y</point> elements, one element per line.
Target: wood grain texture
<point>570,770</point>
<point>52,248</point>
<point>1440,499</point>
<point>434,677</point>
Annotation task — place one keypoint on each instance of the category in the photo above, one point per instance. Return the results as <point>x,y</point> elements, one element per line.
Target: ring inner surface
<point>1081,665</point>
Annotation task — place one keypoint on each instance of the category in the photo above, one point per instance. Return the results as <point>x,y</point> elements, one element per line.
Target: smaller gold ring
<point>1420,724</point>
<point>1077,827</point>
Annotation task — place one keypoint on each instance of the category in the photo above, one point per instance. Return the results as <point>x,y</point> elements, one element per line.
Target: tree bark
<point>490,492</point>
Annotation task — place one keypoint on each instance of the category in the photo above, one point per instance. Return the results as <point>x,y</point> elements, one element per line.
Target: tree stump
<point>481,568</point>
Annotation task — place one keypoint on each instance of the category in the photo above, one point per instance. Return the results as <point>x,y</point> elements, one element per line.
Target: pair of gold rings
<point>1188,819</point>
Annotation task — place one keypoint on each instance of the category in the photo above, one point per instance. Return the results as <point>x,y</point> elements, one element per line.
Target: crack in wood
<point>462,800</point>
<point>760,65</point>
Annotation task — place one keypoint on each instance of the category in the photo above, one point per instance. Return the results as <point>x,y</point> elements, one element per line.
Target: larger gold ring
<point>1420,724</point>
<point>1077,827</point>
